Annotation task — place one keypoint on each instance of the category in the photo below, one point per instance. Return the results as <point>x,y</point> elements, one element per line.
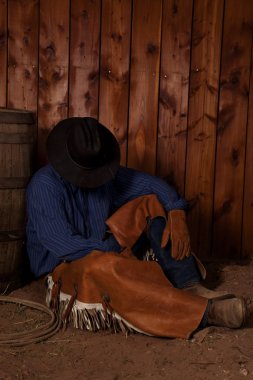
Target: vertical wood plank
<point>203,108</point>
<point>247,239</point>
<point>22,54</point>
<point>230,158</point>
<point>174,86</point>
<point>84,58</point>
<point>53,68</point>
<point>3,52</point>
<point>145,61</point>
<point>114,70</point>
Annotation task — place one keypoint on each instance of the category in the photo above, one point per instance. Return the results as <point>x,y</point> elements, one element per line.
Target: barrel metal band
<point>13,182</point>
<point>16,138</point>
<point>14,235</point>
<point>17,117</point>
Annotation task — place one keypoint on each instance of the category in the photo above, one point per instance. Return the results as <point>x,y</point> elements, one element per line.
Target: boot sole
<point>223,297</point>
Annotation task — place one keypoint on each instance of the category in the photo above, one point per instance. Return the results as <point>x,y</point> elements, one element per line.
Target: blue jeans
<point>180,273</point>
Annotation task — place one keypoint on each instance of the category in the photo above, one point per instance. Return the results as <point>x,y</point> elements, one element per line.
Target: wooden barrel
<point>17,136</point>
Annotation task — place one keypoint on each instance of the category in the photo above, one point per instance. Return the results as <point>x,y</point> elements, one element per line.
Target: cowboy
<point>84,205</point>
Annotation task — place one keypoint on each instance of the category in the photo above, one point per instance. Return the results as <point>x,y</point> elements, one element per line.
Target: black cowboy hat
<point>83,151</point>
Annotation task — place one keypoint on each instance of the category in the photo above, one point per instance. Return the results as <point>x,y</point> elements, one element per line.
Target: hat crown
<point>83,151</point>
<point>85,144</point>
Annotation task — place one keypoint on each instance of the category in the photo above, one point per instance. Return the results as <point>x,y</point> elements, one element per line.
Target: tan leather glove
<point>176,229</point>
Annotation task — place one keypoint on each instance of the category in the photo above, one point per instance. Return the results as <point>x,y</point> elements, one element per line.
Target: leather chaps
<point>116,290</point>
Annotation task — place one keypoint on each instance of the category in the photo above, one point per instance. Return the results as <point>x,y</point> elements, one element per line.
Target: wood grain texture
<point>145,61</point>
<point>16,162</point>
<point>127,63</point>
<point>174,87</point>
<point>203,108</point>
<point>232,122</point>
<point>3,52</point>
<point>53,68</point>
<point>114,69</point>
<point>22,54</point>
<point>84,58</point>
<point>247,236</point>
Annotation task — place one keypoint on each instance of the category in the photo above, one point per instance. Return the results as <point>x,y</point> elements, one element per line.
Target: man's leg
<point>184,274</point>
<point>145,213</point>
<point>181,273</point>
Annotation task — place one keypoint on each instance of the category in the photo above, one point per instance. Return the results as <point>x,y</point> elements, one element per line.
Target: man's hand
<point>176,229</point>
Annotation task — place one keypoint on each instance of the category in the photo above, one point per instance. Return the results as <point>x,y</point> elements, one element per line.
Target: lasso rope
<point>35,335</point>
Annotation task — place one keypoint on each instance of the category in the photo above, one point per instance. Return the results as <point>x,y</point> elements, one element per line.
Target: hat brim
<point>72,172</point>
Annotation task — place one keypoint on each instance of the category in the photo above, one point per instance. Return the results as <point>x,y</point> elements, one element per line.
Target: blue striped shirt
<point>65,222</point>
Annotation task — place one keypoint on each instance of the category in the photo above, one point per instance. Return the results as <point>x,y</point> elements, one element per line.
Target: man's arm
<point>131,184</point>
<point>47,215</point>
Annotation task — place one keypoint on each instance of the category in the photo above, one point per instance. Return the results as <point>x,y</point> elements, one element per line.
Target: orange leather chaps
<point>136,292</point>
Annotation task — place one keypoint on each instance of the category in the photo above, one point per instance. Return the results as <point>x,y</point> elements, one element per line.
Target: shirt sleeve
<point>47,213</point>
<point>131,184</point>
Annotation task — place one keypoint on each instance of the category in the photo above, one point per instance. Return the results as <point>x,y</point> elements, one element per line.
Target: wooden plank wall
<point>173,81</point>
<point>3,52</point>
<point>202,119</point>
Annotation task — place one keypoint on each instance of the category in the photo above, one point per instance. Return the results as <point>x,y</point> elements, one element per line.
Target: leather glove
<point>176,229</point>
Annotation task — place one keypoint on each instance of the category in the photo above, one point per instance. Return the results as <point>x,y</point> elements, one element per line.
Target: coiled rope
<point>35,335</point>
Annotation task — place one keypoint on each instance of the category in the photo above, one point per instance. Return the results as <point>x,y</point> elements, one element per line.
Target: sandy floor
<point>73,354</point>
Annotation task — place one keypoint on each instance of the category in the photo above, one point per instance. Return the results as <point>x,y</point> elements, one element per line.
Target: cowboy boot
<point>231,313</point>
<point>200,290</point>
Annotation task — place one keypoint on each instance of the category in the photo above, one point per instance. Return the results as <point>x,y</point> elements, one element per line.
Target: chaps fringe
<point>84,316</point>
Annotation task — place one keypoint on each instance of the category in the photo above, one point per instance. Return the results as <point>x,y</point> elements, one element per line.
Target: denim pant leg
<point>180,273</point>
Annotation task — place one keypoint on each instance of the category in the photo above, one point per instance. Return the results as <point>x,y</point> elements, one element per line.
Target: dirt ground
<point>73,354</point>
